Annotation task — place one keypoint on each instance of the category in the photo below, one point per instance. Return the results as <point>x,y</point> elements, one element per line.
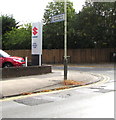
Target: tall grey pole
<point>65,41</point>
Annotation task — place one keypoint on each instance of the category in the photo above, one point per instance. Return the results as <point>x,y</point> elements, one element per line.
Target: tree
<point>8,23</point>
<point>54,32</point>
<point>108,12</point>
<point>18,38</point>
<point>96,25</point>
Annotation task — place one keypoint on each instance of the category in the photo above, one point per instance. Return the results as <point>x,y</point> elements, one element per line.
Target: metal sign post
<point>58,18</point>
<point>65,42</point>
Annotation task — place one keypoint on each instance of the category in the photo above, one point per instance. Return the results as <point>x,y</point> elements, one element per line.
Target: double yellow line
<point>104,80</point>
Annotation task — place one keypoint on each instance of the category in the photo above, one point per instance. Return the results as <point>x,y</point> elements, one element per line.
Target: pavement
<point>21,85</point>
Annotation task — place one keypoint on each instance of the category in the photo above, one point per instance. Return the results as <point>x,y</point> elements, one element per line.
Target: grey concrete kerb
<point>16,86</point>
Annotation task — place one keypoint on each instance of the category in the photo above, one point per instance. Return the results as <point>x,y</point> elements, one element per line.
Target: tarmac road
<point>93,101</point>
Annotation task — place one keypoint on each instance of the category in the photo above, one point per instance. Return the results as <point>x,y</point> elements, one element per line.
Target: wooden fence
<point>76,55</point>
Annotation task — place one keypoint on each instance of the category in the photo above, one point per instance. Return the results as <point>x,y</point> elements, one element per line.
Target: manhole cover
<point>101,89</point>
<point>36,100</point>
<point>104,90</point>
<point>31,101</point>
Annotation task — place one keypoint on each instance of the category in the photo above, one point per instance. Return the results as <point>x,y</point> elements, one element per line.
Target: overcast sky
<point>25,11</point>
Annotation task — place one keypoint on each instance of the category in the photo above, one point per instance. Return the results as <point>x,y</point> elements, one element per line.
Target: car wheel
<point>6,65</point>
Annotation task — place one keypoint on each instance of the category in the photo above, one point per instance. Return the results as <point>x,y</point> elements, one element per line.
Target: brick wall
<point>25,71</point>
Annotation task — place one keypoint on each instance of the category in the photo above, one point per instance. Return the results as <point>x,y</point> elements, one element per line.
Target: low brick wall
<point>25,71</point>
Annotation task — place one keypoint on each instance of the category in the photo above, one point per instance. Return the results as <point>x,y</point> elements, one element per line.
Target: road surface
<point>93,101</point>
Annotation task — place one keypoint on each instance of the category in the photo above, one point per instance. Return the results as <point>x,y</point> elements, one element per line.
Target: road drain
<point>102,90</point>
<point>32,101</point>
<point>105,90</point>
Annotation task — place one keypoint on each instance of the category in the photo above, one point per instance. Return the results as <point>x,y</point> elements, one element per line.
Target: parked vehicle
<point>9,61</point>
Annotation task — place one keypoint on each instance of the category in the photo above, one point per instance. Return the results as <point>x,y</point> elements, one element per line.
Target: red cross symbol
<point>35,30</point>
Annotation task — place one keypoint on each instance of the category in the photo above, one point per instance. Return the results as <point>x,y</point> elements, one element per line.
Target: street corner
<point>78,79</point>
<point>56,82</point>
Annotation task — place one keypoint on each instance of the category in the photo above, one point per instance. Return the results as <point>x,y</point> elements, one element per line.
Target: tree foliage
<point>94,26</point>
<point>8,23</point>
<point>18,38</point>
<point>54,32</point>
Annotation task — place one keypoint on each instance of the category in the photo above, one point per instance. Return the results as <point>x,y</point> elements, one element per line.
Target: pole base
<point>35,60</point>
<point>65,68</point>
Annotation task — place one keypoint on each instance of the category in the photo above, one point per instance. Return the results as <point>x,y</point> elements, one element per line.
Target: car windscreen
<point>4,54</point>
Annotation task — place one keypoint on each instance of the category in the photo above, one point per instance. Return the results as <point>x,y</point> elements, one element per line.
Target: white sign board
<point>37,38</point>
<point>57,18</point>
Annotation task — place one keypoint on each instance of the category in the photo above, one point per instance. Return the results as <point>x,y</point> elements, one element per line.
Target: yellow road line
<point>105,79</point>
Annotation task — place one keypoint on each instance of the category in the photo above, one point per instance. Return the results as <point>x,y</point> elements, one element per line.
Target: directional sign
<point>57,18</point>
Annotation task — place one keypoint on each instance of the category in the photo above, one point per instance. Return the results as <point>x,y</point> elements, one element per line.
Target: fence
<point>76,55</point>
